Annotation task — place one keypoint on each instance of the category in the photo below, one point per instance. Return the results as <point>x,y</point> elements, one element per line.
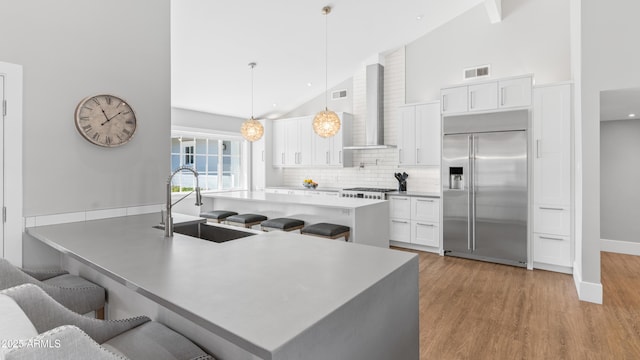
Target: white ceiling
<point>618,104</point>
<point>214,41</point>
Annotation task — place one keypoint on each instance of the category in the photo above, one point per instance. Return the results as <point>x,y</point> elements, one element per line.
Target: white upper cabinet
<point>487,96</point>
<point>296,144</point>
<point>483,97</point>
<point>419,134</point>
<point>515,92</point>
<point>454,100</point>
<point>407,136</point>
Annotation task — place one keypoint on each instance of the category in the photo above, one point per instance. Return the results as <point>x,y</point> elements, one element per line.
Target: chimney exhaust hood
<point>374,118</point>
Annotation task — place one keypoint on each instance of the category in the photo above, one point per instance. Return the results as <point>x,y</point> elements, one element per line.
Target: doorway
<point>620,171</point>
<point>11,219</point>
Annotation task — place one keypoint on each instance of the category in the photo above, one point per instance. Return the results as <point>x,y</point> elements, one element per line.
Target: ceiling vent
<point>339,94</point>
<point>477,72</point>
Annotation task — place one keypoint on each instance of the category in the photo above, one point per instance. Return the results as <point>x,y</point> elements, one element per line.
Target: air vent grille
<point>477,72</point>
<point>339,94</point>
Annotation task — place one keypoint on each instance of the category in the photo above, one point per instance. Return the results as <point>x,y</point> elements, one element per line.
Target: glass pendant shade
<point>252,129</point>
<point>326,123</point>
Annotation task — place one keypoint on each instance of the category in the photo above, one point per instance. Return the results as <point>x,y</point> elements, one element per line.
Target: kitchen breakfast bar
<point>367,218</point>
<point>272,295</point>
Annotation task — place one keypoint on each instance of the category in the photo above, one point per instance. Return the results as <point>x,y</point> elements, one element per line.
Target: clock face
<point>105,120</point>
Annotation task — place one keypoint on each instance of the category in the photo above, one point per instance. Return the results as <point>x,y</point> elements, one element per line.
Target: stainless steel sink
<point>205,231</point>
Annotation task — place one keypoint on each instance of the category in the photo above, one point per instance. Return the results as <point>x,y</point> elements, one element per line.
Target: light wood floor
<point>476,310</point>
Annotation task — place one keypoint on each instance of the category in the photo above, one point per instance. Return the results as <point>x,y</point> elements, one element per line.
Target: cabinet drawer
<point>424,233</point>
<point>400,230</point>
<point>552,220</point>
<point>552,249</point>
<point>400,207</point>
<point>425,209</point>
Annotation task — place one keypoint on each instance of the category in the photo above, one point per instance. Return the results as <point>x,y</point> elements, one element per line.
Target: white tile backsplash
<point>380,164</point>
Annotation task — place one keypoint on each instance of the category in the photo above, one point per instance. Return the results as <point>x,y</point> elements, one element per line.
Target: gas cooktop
<point>369,189</point>
<point>366,193</point>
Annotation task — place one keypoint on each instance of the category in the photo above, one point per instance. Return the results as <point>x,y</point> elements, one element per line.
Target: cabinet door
<point>304,148</point>
<point>552,220</point>
<point>552,249</point>
<point>425,209</point>
<point>428,134</point>
<point>400,230</point>
<point>515,92</point>
<point>552,146</point>
<point>424,233</point>
<point>279,142</point>
<point>400,207</point>
<point>322,148</point>
<point>483,96</point>
<point>454,100</point>
<point>258,158</point>
<point>407,136</point>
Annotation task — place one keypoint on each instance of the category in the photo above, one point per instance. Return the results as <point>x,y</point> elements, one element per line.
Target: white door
<point>407,136</point>
<point>428,134</point>
<point>552,147</point>
<point>305,129</point>
<point>515,92</point>
<point>2,113</point>
<point>454,100</point>
<point>483,96</point>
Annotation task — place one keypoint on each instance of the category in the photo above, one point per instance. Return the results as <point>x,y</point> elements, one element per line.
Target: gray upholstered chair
<point>74,292</point>
<point>32,316</point>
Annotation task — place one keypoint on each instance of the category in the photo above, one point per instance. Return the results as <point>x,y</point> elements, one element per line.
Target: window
<point>219,161</point>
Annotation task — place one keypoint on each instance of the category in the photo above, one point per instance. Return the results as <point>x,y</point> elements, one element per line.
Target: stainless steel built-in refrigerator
<point>485,187</point>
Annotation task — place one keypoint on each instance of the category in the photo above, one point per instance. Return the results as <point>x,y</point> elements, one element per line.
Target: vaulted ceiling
<point>214,41</point>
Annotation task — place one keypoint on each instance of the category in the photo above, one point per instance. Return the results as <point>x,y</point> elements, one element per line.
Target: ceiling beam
<point>494,10</point>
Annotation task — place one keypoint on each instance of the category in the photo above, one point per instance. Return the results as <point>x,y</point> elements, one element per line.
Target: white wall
<point>607,60</point>
<point>619,179</point>
<point>533,38</point>
<point>73,49</point>
<point>318,103</point>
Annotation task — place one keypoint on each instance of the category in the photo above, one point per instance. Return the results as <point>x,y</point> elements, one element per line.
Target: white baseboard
<point>587,291</point>
<point>620,247</point>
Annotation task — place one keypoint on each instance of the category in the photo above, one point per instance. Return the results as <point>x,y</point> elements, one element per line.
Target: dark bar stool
<point>327,231</point>
<point>282,224</point>
<point>245,220</point>
<point>217,216</point>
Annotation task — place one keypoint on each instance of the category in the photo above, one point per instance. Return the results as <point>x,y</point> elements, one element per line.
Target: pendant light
<point>252,129</point>
<point>326,123</point>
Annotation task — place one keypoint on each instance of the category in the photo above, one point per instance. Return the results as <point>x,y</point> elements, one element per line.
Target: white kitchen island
<point>274,295</point>
<point>367,218</point>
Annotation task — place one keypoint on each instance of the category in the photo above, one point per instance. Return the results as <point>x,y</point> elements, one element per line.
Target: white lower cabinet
<point>552,249</point>
<point>415,220</point>
<point>424,233</point>
<point>400,230</point>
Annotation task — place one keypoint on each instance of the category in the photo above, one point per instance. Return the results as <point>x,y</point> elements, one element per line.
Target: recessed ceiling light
<point>309,84</point>
<point>419,17</point>
<point>632,115</point>
<point>274,105</point>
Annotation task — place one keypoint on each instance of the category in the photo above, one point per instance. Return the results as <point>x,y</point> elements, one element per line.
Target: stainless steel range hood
<point>374,118</point>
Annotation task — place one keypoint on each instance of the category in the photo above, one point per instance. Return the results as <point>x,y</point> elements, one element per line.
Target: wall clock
<point>105,120</point>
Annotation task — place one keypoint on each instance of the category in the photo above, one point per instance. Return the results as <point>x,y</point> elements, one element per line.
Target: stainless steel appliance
<point>485,186</point>
<point>366,193</point>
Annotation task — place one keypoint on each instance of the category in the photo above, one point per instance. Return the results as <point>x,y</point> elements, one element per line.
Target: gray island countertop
<point>272,294</point>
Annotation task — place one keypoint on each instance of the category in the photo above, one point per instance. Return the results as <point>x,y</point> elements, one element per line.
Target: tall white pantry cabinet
<point>552,240</point>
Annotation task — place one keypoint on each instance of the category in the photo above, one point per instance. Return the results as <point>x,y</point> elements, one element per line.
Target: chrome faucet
<point>168,223</point>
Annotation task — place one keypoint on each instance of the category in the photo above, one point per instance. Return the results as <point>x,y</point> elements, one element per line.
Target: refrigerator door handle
<point>473,194</point>
<point>469,197</point>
